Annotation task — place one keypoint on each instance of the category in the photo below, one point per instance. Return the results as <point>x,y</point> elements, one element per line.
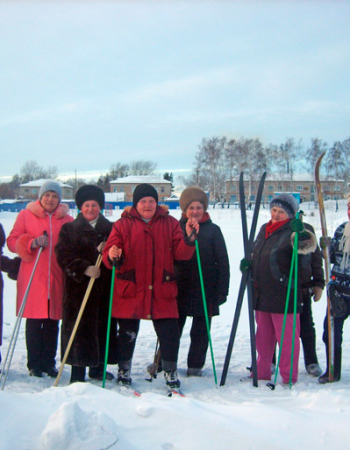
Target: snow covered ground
<point>36,415</point>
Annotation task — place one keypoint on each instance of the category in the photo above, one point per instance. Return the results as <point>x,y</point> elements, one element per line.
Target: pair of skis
<point>326,256</point>
<point>245,280</point>
<point>170,392</point>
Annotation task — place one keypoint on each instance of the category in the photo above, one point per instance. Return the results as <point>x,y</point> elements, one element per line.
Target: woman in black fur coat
<point>77,251</point>
<point>216,274</point>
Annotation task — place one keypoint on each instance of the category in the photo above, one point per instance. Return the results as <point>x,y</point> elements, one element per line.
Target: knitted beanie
<point>144,190</point>
<point>89,192</point>
<point>51,185</point>
<point>193,194</point>
<point>287,202</point>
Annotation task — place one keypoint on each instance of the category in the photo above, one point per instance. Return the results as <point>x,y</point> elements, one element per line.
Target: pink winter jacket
<point>46,292</point>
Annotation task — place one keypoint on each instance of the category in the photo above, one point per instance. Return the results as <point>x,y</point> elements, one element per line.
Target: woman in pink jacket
<point>44,304</point>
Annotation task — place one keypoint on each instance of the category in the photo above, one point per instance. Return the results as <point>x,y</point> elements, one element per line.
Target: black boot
<point>337,367</point>
<point>77,374</point>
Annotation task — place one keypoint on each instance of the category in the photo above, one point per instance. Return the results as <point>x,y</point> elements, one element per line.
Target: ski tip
<point>175,392</point>
<point>271,386</point>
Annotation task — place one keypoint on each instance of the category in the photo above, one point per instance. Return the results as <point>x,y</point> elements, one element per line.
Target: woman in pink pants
<point>271,262</point>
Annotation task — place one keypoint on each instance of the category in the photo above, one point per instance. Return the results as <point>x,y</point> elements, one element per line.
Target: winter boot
<point>96,373</point>
<point>337,367</point>
<point>123,377</point>
<point>314,369</point>
<point>124,371</point>
<point>193,372</point>
<point>51,372</point>
<point>36,373</point>
<point>77,375</point>
<point>171,379</point>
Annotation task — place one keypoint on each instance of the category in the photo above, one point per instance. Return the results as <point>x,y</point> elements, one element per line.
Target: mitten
<point>244,265</point>
<point>297,225</point>
<point>317,291</point>
<point>40,241</point>
<point>92,271</point>
<point>325,242</point>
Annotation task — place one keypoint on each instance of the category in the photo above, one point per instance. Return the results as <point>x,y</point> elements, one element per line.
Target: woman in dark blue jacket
<point>216,275</point>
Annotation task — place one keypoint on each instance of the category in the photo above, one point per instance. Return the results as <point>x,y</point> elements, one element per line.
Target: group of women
<point>157,278</point>
<point>148,248</point>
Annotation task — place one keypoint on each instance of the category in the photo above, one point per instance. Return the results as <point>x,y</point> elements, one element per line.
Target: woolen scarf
<point>272,227</point>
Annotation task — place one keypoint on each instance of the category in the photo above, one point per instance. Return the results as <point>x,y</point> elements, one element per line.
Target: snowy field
<point>36,415</point>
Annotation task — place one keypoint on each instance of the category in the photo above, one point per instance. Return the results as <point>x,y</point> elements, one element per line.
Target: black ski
<point>248,243</point>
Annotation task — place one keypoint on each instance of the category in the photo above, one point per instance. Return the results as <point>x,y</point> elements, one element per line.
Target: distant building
<point>128,184</point>
<point>276,183</point>
<point>114,197</point>
<point>31,190</point>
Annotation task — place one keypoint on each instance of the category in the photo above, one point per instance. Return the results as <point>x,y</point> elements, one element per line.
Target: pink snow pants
<point>269,330</point>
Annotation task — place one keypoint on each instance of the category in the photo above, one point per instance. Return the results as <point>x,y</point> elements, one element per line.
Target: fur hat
<point>287,202</point>
<point>144,190</point>
<point>89,192</point>
<point>51,185</point>
<point>193,194</point>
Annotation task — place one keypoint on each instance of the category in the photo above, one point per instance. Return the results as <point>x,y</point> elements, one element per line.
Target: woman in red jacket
<point>44,303</point>
<point>146,240</point>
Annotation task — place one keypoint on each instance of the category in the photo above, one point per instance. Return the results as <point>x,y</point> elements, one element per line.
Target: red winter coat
<point>145,286</point>
<point>46,292</point>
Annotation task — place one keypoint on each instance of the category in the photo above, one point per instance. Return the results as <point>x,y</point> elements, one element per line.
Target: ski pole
<point>109,322</point>
<point>77,322</point>
<point>152,368</point>
<point>205,310</point>
<point>13,340</point>
<point>292,267</point>
<point>296,240</point>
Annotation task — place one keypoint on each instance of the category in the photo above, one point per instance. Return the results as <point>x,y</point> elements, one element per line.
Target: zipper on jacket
<point>48,278</point>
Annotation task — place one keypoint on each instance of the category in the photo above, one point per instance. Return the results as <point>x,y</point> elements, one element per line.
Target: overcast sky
<point>84,85</point>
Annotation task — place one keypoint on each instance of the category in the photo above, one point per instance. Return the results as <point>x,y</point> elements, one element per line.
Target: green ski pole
<point>109,322</point>
<point>206,310</point>
<point>292,267</point>
<point>296,241</point>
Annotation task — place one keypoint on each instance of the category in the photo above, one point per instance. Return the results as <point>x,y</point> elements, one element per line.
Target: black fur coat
<point>76,250</point>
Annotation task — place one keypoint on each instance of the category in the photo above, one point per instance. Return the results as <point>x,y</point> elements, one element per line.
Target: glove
<point>244,265</point>
<point>325,242</point>
<point>40,241</point>
<point>92,271</point>
<point>222,299</point>
<point>317,291</point>
<point>297,225</point>
<point>12,274</point>
<point>100,246</point>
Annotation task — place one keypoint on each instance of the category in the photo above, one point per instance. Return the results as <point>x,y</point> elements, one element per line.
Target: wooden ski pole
<point>77,322</point>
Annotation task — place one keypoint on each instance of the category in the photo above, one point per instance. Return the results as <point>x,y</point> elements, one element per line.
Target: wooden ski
<point>327,267</point>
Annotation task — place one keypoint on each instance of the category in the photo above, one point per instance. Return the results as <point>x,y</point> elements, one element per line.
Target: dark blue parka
<point>215,268</point>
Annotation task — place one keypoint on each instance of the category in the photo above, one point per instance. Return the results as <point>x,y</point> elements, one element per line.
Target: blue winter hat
<point>287,202</point>
<point>51,185</point>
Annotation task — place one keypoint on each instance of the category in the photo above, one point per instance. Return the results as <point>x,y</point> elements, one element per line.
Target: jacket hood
<point>35,207</point>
